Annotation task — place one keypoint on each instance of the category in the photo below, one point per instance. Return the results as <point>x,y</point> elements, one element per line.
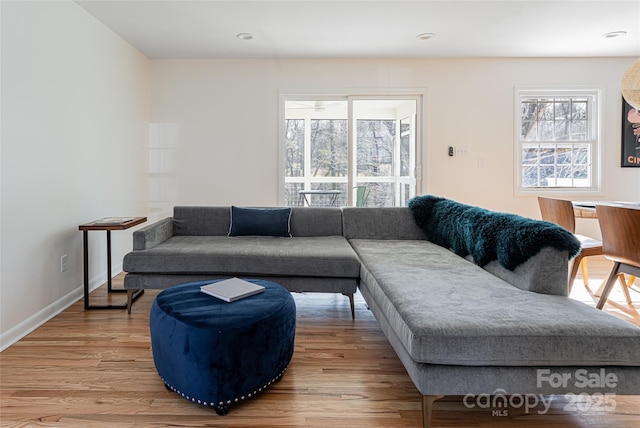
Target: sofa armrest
<point>546,272</point>
<point>152,235</point>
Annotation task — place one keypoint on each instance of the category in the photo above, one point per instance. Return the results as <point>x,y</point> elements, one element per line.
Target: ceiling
<point>373,29</point>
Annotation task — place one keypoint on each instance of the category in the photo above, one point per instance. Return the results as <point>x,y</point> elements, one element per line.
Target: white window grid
<point>558,140</point>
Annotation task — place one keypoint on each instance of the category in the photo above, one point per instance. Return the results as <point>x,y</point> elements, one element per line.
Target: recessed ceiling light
<point>244,36</point>
<point>614,34</point>
<point>425,36</point>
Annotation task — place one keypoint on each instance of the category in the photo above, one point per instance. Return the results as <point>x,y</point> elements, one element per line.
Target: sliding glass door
<point>347,151</point>
<point>384,163</point>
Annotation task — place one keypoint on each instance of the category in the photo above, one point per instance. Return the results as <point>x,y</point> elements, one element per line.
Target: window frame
<point>419,94</point>
<point>595,95</point>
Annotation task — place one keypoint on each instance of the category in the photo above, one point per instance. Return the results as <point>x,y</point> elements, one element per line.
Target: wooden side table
<point>107,224</point>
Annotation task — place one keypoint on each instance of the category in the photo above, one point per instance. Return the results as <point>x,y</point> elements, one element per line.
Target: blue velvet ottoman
<point>216,353</point>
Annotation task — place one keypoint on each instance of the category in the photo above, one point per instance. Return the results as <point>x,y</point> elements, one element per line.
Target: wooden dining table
<point>587,209</point>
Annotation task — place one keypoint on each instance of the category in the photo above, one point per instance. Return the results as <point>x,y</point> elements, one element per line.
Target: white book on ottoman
<point>232,289</point>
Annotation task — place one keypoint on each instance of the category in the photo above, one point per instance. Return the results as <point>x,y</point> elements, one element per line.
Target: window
<point>558,140</point>
<point>316,152</point>
<point>349,150</point>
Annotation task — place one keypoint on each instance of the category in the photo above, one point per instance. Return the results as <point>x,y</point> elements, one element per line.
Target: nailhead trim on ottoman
<point>216,353</point>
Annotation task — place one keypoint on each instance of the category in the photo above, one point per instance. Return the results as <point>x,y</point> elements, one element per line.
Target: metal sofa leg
<point>352,303</point>
<point>427,408</point>
<point>132,296</point>
<point>129,300</point>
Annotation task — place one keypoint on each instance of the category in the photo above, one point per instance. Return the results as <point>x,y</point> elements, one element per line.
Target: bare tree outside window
<point>375,147</point>
<point>294,158</point>
<point>329,148</point>
<point>556,142</point>
<point>294,148</point>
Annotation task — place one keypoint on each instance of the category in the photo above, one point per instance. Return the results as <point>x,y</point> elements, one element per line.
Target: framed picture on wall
<point>630,136</point>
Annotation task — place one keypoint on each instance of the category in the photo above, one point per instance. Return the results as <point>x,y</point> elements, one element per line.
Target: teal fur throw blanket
<point>486,235</point>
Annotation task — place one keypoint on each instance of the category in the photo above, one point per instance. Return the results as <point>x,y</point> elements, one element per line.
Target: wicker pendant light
<point>630,85</point>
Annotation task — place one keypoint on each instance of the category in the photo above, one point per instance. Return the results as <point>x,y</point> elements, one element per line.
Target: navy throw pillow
<point>260,221</point>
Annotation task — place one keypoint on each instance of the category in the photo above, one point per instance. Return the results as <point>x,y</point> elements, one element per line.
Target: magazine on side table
<point>232,289</point>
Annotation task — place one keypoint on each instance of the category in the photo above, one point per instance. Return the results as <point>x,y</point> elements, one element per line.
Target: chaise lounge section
<point>463,329</point>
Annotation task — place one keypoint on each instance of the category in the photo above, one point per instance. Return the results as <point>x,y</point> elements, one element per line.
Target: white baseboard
<point>19,331</point>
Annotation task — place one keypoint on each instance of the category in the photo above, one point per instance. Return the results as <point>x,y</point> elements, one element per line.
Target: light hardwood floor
<point>95,369</point>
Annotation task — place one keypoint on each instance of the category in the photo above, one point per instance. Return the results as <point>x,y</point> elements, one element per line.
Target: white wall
<point>225,117</point>
<point>75,113</point>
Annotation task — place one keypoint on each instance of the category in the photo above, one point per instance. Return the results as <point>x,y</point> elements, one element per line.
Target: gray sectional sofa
<point>193,245</point>
<point>462,316</point>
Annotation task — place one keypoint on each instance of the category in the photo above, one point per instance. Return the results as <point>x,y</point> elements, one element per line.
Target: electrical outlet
<point>63,263</point>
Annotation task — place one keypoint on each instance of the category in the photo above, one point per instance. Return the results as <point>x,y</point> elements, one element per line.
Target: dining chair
<point>560,212</point>
<point>620,229</point>
<point>362,193</point>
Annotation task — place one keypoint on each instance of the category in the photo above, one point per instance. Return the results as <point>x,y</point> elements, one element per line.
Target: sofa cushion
<point>260,222</point>
<point>322,256</point>
<point>216,221</point>
<point>380,223</point>
<point>447,310</point>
